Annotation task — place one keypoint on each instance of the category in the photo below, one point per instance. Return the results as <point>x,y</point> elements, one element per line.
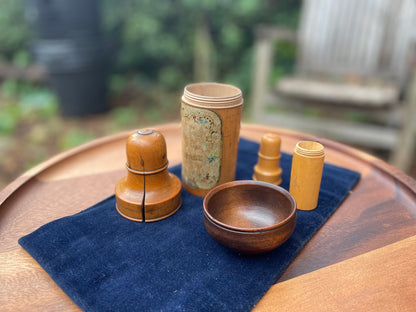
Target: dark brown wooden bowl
<point>250,216</point>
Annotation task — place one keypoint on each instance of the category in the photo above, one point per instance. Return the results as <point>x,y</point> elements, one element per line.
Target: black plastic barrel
<point>69,44</point>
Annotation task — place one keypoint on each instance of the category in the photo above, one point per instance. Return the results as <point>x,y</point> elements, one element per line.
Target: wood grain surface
<point>380,280</point>
<point>380,211</point>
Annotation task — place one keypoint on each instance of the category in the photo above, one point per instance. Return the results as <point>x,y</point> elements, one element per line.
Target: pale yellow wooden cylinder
<point>306,174</point>
<point>210,119</point>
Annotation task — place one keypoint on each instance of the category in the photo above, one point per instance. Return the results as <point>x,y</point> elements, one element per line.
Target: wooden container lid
<point>213,95</point>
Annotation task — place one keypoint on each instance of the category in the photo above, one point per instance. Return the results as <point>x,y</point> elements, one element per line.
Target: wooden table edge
<point>248,130</point>
<point>374,279</point>
<point>400,177</point>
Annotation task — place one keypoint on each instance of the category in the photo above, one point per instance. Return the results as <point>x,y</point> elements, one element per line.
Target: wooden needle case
<point>306,174</point>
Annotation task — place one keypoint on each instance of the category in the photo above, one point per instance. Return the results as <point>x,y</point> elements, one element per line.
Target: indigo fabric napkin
<point>104,262</point>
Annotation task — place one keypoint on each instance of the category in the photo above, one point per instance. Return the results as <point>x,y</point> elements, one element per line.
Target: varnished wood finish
<point>380,211</point>
<point>219,106</point>
<point>268,168</point>
<point>251,217</point>
<point>148,192</point>
<point>306,174</point>
<point>380,280</point>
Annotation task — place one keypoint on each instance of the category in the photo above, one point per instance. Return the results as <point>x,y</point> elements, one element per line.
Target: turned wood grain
<point>268,168</point>
<point>250,216</point>
<point>380,210</point>
<point>25,286</point>
<point>306,174</point>
<point>148,192</point>
<point>380,280</point>
<point>220,105</point>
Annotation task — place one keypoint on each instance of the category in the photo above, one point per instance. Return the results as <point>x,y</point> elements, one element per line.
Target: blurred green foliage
<point>75,137</point>
<point>285,55</point>
<point>154,40</point>
<point>22,101</point>
<point>15,33</point>
<point>155,48</point>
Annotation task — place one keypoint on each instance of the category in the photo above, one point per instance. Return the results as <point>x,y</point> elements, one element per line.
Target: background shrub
<point>167,43</point>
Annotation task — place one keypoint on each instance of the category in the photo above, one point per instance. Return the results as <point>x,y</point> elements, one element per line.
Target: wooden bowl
<point>249,216</point>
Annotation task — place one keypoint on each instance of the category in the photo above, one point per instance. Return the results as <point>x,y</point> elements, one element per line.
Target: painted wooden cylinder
<point>210,117</point>
<point>306,174</point>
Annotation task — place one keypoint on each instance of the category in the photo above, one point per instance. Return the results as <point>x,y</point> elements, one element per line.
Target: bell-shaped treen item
<point>149,192</point>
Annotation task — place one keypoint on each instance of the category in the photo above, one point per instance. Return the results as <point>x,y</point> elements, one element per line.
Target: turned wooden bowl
<point>248,216</point>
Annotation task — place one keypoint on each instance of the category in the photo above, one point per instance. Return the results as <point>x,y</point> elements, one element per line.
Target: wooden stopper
<point>210,117</point>
<point>268,168</point>
<point>149,192</point>
<point>306,174</point>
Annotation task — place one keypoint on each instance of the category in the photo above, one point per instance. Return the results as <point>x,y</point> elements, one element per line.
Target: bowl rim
<point>238,183</point>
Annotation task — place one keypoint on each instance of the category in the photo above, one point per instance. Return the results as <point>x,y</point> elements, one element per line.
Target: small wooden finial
<point>268,167</point>
<point>149,192</point>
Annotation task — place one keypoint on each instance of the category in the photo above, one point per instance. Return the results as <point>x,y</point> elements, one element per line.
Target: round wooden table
<point>363,258</point>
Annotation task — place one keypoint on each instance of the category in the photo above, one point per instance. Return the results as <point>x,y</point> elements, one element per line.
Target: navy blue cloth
<point>105,262</point>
